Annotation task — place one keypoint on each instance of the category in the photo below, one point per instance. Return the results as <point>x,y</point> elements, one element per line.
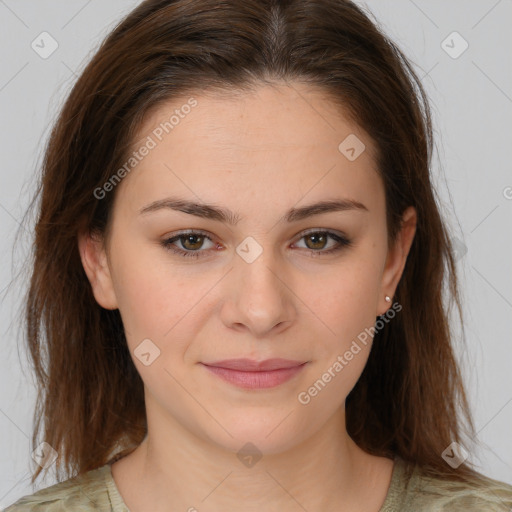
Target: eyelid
<point>321,230</point>
<point>189,231</point>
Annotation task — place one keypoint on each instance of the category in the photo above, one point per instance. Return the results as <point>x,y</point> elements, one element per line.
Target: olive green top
<point>410,491</point>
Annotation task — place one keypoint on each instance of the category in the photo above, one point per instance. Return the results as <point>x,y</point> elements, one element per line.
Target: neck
<point>174,468</point>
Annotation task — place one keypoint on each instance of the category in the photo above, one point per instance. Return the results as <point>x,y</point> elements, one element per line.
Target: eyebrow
<point>212,212</point>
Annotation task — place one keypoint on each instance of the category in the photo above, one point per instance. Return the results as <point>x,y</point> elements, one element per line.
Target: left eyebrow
<point>210,211</point>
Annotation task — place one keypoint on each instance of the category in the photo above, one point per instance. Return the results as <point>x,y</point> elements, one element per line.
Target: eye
<point>317,240</point>
<point>192,242</point>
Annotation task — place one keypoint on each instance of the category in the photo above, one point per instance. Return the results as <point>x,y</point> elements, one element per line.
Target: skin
<point>257,154</point>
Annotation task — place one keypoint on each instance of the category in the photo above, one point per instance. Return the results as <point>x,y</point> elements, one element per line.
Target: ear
<point>94,260</point>
<point>396,259</point>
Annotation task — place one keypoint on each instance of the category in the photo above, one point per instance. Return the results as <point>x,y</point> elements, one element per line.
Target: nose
<point>258,298</point>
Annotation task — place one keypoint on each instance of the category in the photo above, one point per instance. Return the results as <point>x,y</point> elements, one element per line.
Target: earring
<point>387,298</point>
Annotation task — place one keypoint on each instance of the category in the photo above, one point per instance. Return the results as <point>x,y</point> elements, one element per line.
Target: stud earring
<point>387,298</point>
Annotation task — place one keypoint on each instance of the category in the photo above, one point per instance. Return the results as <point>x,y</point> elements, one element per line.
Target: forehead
<point>274,140</point>
<point>269,116</point>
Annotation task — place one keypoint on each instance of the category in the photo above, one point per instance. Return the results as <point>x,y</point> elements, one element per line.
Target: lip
<point>249,365</point>
<point>249,374</point>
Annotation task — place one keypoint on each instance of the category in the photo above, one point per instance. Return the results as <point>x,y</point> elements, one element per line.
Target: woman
<point>238,274</point>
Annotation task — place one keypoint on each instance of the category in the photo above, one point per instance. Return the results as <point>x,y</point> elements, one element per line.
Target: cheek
<point>153,312</point>
<point>346,307</point>
<point>346,301</point>
<point>150,299</point>
<point>157,303</point>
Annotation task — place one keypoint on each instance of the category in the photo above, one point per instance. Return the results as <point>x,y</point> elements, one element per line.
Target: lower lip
<point>256,380</point>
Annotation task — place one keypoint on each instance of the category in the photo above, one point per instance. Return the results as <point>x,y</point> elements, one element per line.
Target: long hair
<point>410,399</point>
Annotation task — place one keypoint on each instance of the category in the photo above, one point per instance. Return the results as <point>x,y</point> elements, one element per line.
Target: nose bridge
<point>260,300</point>
<point>256,265</point>
<point>257,259</point>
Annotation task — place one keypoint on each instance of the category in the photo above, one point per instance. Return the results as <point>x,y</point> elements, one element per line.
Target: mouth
<point>249,374</point>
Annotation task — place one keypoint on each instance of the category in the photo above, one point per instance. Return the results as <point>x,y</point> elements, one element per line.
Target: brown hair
<point>410,399</point>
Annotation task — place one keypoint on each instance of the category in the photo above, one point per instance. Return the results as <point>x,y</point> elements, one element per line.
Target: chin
<point>258,431</point>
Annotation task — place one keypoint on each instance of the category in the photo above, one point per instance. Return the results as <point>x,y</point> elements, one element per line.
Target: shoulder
<point>428,493</point>
<point>83,493</point>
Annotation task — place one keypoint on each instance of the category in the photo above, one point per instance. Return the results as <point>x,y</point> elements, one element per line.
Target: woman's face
<point>259,281</point>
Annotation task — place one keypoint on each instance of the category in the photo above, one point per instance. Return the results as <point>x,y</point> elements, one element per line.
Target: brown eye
<point>318,240</point>
<point>189,244</point>
<point>192,242</point>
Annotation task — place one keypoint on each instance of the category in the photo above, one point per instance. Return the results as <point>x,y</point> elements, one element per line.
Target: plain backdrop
<point>460,49</point>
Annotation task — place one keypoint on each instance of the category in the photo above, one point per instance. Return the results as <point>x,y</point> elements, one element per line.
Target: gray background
<point>471,97</point>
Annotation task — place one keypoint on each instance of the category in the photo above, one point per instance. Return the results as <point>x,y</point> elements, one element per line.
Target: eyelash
<point>342,241</point>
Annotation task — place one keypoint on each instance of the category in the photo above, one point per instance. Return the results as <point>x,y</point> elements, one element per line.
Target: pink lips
<point>250,374</point>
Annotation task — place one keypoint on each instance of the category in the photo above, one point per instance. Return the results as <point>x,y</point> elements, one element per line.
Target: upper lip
<point>250,365</point>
